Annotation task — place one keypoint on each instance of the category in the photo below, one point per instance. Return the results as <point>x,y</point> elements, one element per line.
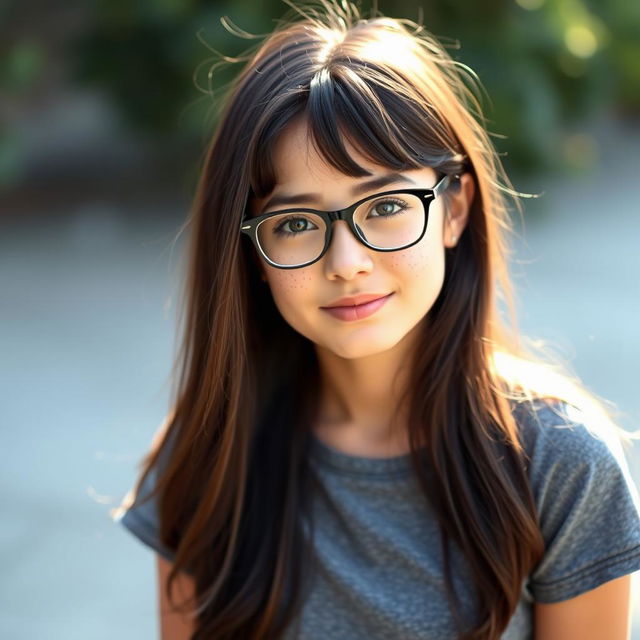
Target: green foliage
<point>547,65</point>
<point>21,66</point>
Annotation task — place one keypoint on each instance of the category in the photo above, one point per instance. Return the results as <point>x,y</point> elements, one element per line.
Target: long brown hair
<point>231,491</point>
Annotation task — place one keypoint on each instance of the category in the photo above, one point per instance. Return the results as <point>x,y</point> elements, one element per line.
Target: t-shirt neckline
<point>327,456</point>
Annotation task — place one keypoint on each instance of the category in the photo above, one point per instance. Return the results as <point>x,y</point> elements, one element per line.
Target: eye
<point>293,225</point>
<point>387,207</point>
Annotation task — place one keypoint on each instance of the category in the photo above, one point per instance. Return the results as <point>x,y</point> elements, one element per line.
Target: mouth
<point>352,312</point>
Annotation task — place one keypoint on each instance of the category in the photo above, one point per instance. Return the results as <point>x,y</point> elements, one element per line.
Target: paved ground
<point>86,338</point>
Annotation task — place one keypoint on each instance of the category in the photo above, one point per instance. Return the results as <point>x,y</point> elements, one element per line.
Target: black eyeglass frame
<point>249,226</point>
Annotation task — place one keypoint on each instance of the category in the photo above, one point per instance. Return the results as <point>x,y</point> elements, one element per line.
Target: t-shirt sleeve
<point>142,518</point>
<point>587,504</point>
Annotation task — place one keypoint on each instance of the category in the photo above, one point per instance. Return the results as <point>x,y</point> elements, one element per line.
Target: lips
<point>352,312</point>
<point>351,301</point>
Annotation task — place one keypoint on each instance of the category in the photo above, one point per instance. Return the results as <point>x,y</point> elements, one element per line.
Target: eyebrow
<point>358,189</point>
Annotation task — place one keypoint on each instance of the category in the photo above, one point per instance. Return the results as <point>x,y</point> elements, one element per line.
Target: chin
<point>362,347</point>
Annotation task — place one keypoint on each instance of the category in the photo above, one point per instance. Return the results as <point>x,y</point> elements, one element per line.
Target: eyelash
<point>279,230</point>
<point>400,203</point>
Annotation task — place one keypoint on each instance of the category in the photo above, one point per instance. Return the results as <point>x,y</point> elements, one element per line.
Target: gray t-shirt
<point>379,569</point>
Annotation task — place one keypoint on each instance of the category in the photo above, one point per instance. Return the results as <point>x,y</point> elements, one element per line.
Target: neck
<point>361,405</point>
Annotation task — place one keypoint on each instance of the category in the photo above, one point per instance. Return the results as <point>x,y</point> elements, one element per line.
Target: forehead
<point>296,160</point>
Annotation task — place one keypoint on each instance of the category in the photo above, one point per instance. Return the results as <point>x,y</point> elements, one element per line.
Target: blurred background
<point>105,109</point>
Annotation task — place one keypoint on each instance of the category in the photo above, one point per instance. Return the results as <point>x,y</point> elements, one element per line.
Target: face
<point>411,278</point>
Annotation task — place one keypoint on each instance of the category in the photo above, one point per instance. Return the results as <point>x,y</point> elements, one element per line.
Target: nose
<point>346,256</point>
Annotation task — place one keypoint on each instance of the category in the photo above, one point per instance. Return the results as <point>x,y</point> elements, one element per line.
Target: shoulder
<point>557,419</point>
<point>576,466</point>
<point>586,501</point>
<point>556,434</point>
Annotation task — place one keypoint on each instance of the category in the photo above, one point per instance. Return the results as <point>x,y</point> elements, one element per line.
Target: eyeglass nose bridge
<point>347,216</point>
<point>342,214</point>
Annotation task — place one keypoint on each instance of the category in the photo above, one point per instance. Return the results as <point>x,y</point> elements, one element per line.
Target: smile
<point>357,312</point>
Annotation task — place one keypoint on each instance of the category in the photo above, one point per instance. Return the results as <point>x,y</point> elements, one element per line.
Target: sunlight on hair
<point>541,379</point>
<point>333,39</point>
<point>531,375</point>
<point>392,48</point>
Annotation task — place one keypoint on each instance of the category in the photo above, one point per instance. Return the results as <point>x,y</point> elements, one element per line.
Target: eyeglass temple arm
<point>443,185</point>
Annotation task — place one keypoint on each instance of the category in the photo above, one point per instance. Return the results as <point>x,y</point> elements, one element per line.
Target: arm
<point>173,625</point>
<point>604,613</point>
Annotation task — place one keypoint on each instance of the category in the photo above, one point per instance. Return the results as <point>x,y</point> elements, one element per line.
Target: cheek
<point>289,288</point>
<point>289,282</point>
<point>424,261</point>
<point>412,264</point>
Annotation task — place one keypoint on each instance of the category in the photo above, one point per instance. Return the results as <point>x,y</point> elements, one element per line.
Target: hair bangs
<point>343,107</point>
<point>352,104</point>
<point>278,114</point>
<point>356,102</point>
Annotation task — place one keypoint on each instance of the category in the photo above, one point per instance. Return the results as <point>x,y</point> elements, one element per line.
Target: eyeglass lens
<point>388,222</point>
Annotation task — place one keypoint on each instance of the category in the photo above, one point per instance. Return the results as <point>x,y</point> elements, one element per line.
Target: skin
<point>358,360</point>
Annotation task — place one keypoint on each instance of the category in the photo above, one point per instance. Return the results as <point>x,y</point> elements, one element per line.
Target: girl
<point>358,447</point>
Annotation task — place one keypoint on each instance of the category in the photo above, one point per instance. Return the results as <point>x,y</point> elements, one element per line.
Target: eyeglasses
<point>388,221</point>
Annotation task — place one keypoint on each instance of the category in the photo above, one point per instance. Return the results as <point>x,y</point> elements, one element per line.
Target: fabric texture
<point>378,565</point>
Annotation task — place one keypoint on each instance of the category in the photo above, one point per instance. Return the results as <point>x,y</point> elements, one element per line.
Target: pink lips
<point>353,312</point>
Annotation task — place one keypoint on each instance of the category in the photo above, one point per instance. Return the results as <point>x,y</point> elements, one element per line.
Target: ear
<point>458,204</point>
